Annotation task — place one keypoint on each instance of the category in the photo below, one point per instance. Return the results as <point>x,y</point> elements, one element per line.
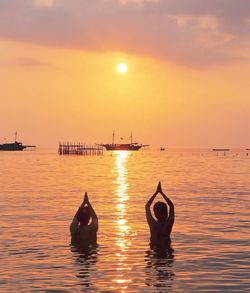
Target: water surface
<point>40,192</point>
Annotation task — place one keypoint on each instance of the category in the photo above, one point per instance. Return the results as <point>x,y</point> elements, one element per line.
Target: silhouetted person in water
<point>83,232</point>
<point>161,227</point>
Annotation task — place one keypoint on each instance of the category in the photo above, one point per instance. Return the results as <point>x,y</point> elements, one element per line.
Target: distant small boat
<point>14,146</point>
<point>162,149</point>
<point>221,150</point>
<point>247,149</point>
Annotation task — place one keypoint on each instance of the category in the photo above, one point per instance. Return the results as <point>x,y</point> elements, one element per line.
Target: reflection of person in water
<point>159,270</point>
<point>86,260</point>
<point>82,232</point>
<point>161,227</point>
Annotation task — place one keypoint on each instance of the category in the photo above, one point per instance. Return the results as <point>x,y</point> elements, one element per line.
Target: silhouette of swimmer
<point>83,232</point>
<point>161,227</point>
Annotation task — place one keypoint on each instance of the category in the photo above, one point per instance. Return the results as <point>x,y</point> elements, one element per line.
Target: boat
<point>132,146</point>
<point>14,146</point>
<point>221,150</point>
<point>162,149</point>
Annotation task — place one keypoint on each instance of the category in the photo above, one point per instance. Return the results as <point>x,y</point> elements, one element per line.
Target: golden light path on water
<point>123,229</point>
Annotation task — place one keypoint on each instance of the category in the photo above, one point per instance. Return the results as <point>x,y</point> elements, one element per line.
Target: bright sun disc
<point>122,68</point>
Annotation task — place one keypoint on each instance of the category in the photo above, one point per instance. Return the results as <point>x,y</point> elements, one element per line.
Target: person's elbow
<point>171,206</point>
<point>171,213</point>
<point>147,206</point>
<point>72,229</point>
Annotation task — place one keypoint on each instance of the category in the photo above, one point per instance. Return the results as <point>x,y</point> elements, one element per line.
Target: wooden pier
<point>79,149</point>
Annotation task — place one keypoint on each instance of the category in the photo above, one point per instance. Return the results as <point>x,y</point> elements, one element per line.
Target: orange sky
<point>65,91</point>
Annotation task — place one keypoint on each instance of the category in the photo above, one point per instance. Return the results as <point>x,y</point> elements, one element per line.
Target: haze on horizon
<point>187,83</point>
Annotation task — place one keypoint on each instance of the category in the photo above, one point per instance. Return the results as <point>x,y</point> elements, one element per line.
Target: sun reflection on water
<point>123,229</point>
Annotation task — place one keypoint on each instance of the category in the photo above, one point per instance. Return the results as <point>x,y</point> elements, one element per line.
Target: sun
<point>122,68</point>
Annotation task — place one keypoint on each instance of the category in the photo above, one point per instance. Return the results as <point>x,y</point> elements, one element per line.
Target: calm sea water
<point>41,191</point>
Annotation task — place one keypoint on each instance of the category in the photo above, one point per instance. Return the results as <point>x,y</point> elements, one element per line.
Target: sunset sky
<point>187,83</point>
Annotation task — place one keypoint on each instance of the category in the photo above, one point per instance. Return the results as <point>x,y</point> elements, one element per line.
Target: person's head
<point>161,211</point>
<point>83,215</point>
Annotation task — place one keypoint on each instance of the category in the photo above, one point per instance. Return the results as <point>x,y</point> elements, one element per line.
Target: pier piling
<point>80,149</point>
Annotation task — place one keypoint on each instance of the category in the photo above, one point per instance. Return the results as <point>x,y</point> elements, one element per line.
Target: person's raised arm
<point>149,216</point>
<point>94,218</point>
<point>74,224</point>
<point>170,220</point>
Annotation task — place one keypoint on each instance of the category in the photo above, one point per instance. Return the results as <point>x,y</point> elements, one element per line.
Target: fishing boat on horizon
<point>132,146</point>
<point>221,150</point>
<point>14,146</point>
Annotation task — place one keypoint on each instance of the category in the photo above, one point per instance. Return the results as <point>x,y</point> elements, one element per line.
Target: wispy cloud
<point>190,32</point>
<point>26,63</point>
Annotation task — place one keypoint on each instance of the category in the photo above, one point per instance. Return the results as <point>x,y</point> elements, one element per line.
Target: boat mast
<point>113,138</point>
<point>131,138</point>
<point>15,136</point>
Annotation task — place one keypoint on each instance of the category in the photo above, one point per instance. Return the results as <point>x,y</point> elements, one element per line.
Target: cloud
<point>26,63</point>
<point>189,32</point>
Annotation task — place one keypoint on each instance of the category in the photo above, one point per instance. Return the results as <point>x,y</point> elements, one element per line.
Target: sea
<point>40,192</point>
